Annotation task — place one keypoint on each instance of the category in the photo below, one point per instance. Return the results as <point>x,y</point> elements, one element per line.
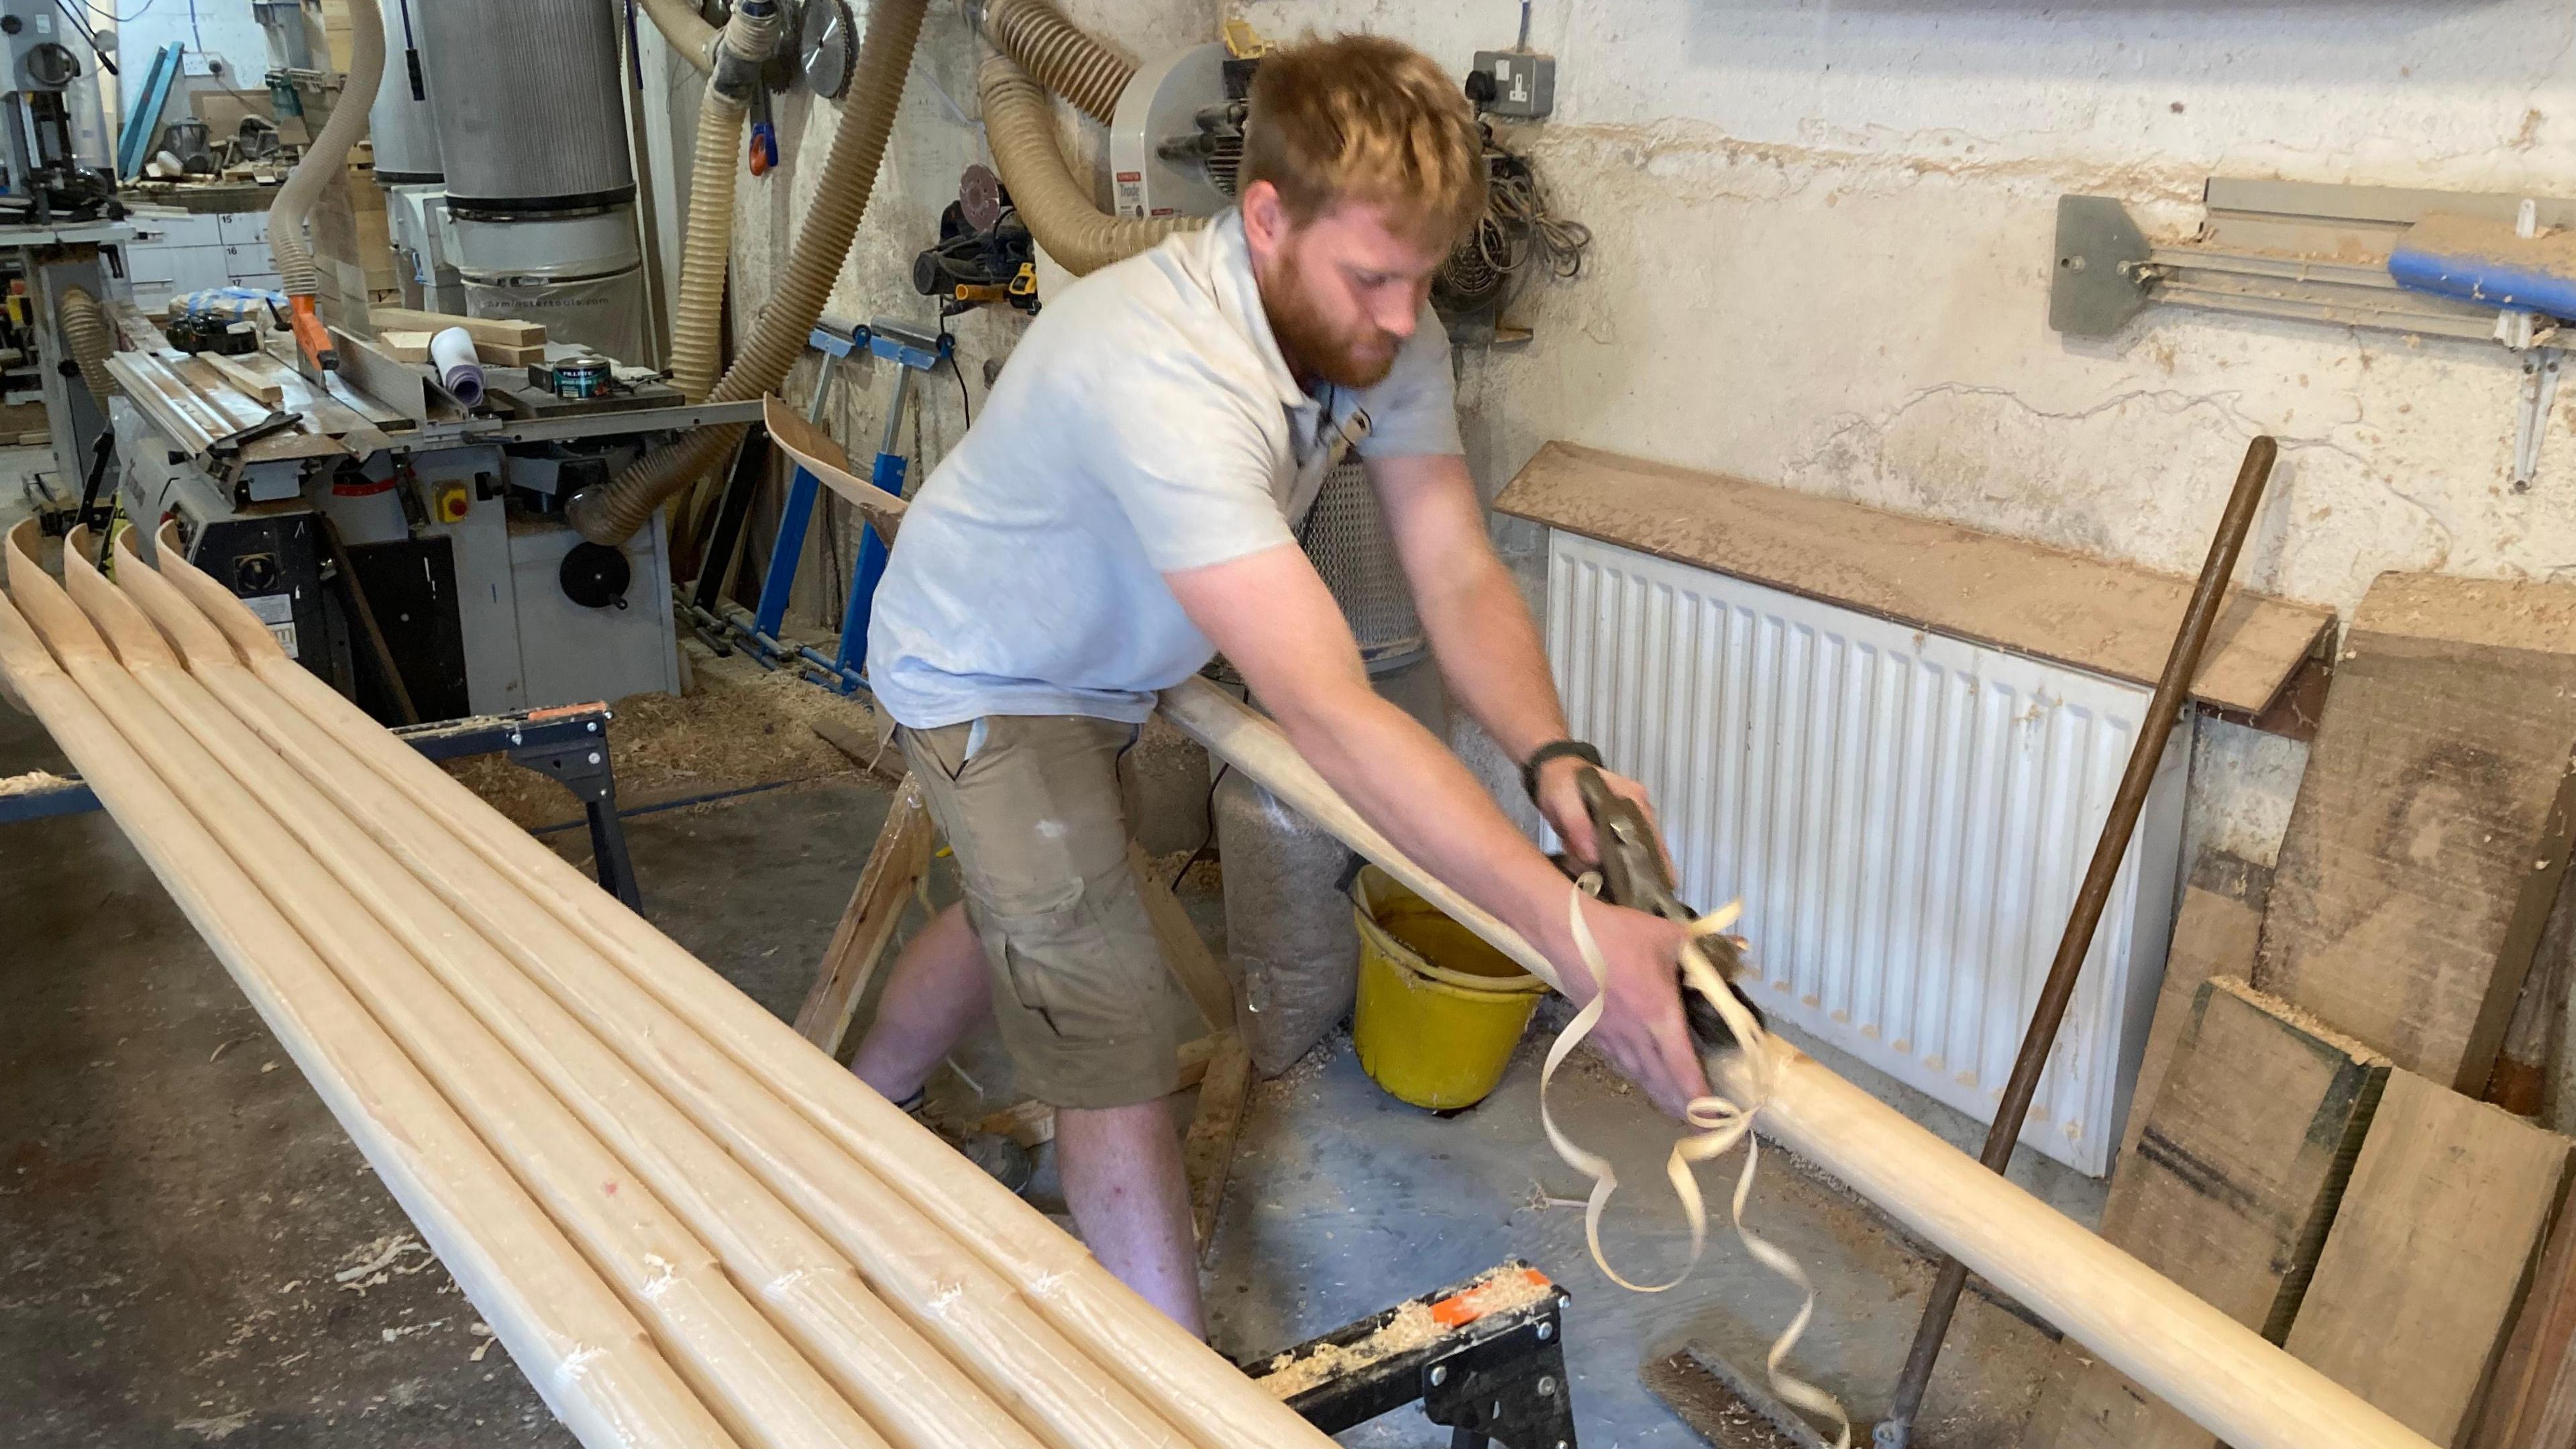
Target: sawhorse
<point>911,351</point>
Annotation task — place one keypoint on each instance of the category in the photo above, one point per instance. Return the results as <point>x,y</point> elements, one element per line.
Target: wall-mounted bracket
<point>2307,252</point>
<point>2295,250</point>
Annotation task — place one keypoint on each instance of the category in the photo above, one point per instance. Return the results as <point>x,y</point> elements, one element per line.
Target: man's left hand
<point>1561,801</point>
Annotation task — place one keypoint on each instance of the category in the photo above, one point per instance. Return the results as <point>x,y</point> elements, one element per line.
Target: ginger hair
<point>1361,118</point>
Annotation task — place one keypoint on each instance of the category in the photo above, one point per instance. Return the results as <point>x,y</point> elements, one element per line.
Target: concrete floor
<point>192,1253</point>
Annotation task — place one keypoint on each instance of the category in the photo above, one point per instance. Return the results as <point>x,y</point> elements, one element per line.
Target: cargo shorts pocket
<point>1031,937</point>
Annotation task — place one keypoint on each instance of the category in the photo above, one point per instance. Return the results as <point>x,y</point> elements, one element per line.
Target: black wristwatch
<point>1554,750</point>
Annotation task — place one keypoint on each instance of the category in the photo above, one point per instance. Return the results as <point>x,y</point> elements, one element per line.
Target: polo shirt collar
<point>1238,297</point>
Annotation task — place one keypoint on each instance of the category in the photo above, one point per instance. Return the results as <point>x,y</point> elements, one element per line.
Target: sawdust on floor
<point>35,780</point>
<point>739,726</point>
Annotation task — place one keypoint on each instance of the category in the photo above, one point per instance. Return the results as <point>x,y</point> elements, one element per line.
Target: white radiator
<point>1906,817</point>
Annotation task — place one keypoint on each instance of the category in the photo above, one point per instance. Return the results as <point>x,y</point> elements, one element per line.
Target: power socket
<point>1524,82</point>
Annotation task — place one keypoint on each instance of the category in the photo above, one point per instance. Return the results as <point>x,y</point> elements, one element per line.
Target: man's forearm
<point>1491,659</point>
<point>1408,785</point>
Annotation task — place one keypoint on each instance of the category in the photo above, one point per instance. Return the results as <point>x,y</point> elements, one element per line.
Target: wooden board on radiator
<point>2049,603</point>
<point>2229,1194</point>
<point>2432,826</point>
<point>2430,1254</point>
<point>2215,934</point>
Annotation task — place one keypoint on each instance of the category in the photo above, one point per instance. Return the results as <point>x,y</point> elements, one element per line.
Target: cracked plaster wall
<point>1823,241</point>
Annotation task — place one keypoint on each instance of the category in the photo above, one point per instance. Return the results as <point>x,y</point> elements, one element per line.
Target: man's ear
<point>1265,218</point>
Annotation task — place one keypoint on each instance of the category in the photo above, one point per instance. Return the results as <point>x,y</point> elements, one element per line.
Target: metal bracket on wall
<point>2303,252</point>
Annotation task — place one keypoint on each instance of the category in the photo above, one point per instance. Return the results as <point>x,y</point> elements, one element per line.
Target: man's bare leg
<point>938,990</point>
<point>1131,1199</point>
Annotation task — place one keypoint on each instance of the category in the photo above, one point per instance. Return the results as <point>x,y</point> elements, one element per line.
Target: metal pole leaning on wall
<point>2172,696</point>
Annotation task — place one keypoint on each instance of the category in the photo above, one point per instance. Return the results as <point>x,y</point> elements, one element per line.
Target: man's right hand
<point>1642,1029</point>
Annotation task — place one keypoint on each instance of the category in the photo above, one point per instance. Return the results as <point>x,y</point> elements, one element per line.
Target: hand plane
<point>1634,874</point>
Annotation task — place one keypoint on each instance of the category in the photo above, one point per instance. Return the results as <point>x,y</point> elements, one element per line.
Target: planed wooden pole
<point>586,1355</point>
<point>1047,1377</point>
<point>495,1038</point>
<point>2223,1375</point>
<point>1143,1351</point>
<point>749,1376</point>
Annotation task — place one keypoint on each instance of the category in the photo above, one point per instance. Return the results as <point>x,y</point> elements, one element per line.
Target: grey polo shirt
<point>1145,423</point>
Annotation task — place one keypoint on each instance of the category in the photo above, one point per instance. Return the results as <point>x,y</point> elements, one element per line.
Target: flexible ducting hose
<point>611,512</point>
<point>1059,56</point>
<point>324,161</point>
<point>1060,213</point>
<point>86,333</point>
<point>688,31</point>
<point>697,329</point>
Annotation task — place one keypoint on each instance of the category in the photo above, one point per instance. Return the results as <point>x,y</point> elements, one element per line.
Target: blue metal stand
<point>910,351</point>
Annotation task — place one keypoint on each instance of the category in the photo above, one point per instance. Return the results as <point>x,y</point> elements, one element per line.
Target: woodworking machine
<point>407,549</point>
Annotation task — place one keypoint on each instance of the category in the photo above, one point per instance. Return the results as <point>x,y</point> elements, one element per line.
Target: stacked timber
<point>2404,925</point>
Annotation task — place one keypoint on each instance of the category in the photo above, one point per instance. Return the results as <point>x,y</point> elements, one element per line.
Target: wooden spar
<point>1172,1372</point>
<point>2224,1376</point>
<point>753,1380</point>
<point>586,1355</point>
<point>937,1284</point>
<point>812,1295</point>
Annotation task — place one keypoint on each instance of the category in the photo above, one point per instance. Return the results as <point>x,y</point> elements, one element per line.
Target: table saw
<point>403,546</point>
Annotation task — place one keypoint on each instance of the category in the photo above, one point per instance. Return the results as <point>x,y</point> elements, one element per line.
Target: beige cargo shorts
<point>1038,810</point>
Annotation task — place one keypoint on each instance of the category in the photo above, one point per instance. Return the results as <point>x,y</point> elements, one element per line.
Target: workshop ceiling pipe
<point>611,512</point>
<point>1058,55</point>
<point>87,334</point>
<point>327,158</point>
<point>1059,211</point>
<point>697,329</point>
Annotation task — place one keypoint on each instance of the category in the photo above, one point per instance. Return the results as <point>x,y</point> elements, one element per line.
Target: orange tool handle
<point>311,335</point>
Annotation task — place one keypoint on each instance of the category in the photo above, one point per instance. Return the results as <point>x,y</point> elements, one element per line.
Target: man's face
<point>1342,291</point>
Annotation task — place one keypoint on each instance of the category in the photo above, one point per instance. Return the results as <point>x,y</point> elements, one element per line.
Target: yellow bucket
<point>1439,1010</point>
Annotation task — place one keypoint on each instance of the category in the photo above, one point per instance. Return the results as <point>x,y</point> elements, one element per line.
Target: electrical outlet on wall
<point>1524,82</point>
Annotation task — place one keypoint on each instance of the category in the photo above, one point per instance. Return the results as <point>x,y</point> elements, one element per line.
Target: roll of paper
<point>459,370</point>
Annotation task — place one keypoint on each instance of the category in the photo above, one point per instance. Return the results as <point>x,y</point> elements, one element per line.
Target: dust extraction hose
<point>328,156</point>
<point>1059,56</point>
<point>697,340</point>
<point>611,512</point>
<point>1059,212</point>
<point>86,333</point>
<point>688,31</point>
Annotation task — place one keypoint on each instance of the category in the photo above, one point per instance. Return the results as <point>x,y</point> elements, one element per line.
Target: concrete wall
<point>1823,240</point>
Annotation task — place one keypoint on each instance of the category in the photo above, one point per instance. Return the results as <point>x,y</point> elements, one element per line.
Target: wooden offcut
<point>251,382</point>
<point>2229,1194</point>
<point>2432,826</point>
<point>2432,1247</point>
<point>2113,618</point>
<point>2215,934</point>
<point>412,345</point>
<point>497,331</point>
